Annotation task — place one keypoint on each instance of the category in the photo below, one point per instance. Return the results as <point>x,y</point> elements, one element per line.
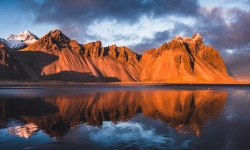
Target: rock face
<point>9,68</point>
<point>89,62</point>
<point>182,60</point>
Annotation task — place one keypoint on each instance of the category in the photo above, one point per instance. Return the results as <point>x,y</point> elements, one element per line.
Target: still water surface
<point>125,117</point>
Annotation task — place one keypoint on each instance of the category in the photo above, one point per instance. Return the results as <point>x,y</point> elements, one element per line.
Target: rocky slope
<point>9,67</point>
<point>182,60</point>
<point>70,61</point>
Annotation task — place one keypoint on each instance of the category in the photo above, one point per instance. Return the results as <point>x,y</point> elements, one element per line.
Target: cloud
<point>238,63</point>
<point>134,134</point>
<point>161,37</point>
<point>75,17</point>
<point>225,28</point>
<point>124,131</point>
<point>86,11</point>
<point>148,43</point>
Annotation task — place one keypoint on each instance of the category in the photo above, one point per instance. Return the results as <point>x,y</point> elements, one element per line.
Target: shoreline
<point>14,83</point>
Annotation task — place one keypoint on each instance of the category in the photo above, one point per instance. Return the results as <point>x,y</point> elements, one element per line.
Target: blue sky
<point>139,24</point>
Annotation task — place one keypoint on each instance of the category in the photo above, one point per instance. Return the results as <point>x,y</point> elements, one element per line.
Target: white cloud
<point>111,134</point>
<point>111,31</point>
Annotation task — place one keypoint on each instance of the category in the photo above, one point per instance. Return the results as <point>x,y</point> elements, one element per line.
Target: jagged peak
<point>196,37</point>
<point>113,45</point>
<point>124,48</point>
<point>58,35</point>
<point>25,36</point>
<point>179,39</point>
<point>26,32</point>
<point>55,32</point>
<point>97,43</point>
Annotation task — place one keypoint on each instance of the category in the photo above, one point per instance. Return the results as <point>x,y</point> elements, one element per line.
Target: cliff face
<point>9,68</point>
<point>89,62</point>
<point>182,60</point>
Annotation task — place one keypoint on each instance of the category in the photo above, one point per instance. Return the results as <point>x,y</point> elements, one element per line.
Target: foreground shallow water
<point>125,117</point>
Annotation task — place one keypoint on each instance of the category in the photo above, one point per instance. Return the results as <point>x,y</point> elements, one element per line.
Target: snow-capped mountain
<point>13,44</point>
<point>23,131</point>
<point>27,37</point>
<point>16,44</point>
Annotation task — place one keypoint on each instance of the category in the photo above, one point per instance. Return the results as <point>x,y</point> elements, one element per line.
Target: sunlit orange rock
<point>70,61</point>
<point>182,60</point>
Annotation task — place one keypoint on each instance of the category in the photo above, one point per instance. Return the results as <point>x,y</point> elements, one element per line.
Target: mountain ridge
<point>181,60</point>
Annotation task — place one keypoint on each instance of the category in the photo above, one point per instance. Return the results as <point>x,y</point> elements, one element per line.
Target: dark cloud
<point>223,27</point>
<point>238,65</point>
<point>74,16</point>
<point>86,11</point>
<point>161,37</point>
<point>230,32</point>
<point>183,29</point>
<point>148,43</point>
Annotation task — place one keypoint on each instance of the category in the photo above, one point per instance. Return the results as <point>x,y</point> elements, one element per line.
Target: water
<point>125,117</point>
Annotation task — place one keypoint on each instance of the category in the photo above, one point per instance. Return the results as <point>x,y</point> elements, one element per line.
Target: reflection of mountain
<point>187,111</point>
<point>23,131</point>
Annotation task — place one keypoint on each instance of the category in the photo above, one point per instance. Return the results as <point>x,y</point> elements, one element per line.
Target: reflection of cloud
<point>23,131</point>
<point>127,132</point>
<point>133,134</point>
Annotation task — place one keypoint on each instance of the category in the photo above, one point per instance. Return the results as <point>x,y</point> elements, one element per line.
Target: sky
<point>139,24</point>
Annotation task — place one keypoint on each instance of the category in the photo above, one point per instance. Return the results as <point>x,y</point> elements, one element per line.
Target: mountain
<point>13,44</point>
<point>75,62</point>
<point>16,45</point>
<point>9,66</point>
<point>26,36</point>
<point>182,60</point>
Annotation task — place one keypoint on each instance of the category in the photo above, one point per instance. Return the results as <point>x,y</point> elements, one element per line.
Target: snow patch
<point>26,36</point>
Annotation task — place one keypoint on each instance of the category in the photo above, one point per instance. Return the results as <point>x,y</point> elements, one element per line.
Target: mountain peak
<point>58,36</point>
<point>26,36</point>
<point>53,41</point>
<point>26,32</point>
<point>56,31</point>
<point>197,37</point>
